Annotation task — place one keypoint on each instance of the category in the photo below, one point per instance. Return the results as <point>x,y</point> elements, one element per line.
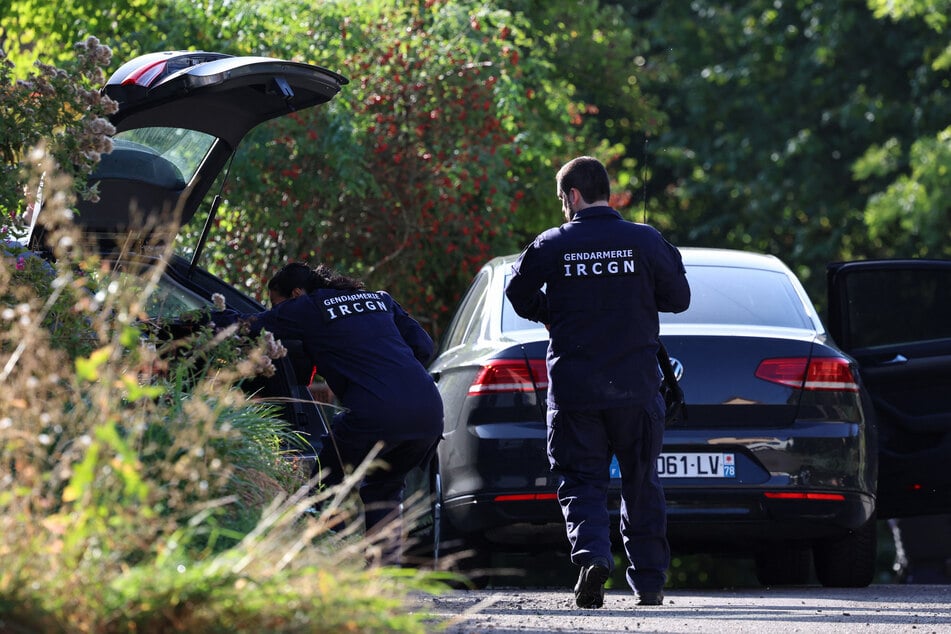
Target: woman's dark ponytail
<point>299,275</point>
<point>332,279</point>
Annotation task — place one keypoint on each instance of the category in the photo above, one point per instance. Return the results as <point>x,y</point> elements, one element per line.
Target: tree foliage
<point>812,130</point>
<point>437,155</point>
<point>400,181</point>
<point>771,104</point>
<point>912,214</point>
<point>41,31</point>
<point>593,55</point>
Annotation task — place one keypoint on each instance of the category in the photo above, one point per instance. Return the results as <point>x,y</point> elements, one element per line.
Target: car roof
<point>699,256</point>
<point>704,256</point>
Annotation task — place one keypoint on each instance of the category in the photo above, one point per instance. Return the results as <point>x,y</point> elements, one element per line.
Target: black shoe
<point>650,598</point>
<point>589,591</point>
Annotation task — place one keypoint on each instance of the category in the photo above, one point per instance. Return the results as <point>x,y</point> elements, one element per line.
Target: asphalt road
<point>879,608</point>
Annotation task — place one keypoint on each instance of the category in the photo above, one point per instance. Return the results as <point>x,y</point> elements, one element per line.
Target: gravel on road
<point>878,608</point>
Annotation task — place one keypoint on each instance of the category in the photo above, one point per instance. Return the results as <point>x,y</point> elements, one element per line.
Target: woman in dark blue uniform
<point>605,279</point>
<point>372,354</point>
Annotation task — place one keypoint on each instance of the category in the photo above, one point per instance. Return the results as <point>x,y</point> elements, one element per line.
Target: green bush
<point>60,110</point>
<point>142,489</point>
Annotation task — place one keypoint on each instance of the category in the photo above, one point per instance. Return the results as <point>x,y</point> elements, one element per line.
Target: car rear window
<point>722,295</point>
<point>741,296</point>
<point>168,157</point>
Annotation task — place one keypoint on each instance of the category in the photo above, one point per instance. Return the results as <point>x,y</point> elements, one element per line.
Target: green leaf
<point>130,337</point>
<point>87,369</point>
<point>136,391</point>
<point>83,475</point>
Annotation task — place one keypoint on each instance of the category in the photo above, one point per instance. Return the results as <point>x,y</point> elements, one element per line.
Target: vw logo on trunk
<point>678,368</point>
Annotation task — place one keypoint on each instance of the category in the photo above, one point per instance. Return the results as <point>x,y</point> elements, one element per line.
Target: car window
<point>464,327</point>
<point>721,295</point>
<point>168,300</point>
<point>511,320</point>
<point>157,153</point>
<point>733,295</point>
<point>878,318</point>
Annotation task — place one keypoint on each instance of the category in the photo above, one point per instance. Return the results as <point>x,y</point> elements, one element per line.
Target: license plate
<point>690,465</point>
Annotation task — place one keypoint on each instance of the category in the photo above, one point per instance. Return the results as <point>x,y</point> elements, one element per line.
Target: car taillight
<point>823,373</point>
<point>525,497</point>
<point>510,375</point>
<point>146,75</point>
<point>793,495</point>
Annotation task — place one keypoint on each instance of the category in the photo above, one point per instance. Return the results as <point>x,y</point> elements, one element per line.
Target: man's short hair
<point>586,174</point>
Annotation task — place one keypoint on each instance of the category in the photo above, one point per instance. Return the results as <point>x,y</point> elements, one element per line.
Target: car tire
<point>848,562</point>
<point>456,552</point>
<point>418,518</point>
<point>784,565</point>
<point>435,545</point>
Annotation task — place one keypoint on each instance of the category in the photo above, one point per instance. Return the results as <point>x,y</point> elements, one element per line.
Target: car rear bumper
<point>821,474</point>
<point>704,519</point>
<point>523,521</point>
<point>731,519</point>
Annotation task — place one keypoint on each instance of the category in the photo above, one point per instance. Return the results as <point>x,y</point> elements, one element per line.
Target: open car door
<point>894,318</point>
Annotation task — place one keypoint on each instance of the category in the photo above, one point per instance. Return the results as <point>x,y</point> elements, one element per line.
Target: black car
<point>180,118</point>
<point>778,456</point>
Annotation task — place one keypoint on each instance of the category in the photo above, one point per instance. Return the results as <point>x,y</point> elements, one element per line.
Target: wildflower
<point>274,349</point>
<point>268,370</point>
<point>256,364</point>
<point>263,366</point>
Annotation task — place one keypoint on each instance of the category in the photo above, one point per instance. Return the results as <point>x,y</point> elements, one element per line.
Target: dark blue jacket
<point>370,352</point>
<point>605,280</point>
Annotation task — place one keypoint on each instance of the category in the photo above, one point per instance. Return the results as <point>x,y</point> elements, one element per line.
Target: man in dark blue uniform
<point>371,353</point>
<point>604,279</point>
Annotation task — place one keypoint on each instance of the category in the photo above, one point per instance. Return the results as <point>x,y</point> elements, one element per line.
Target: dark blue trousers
<point>381,490</point>
<point>580,446</point>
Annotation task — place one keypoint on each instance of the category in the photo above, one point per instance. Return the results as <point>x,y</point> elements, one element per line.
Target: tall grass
<point>143,492</point>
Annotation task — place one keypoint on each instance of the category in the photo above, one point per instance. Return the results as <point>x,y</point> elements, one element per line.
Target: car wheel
<point>783,565</point>
<point>418,517</point>
<point>434,544</point>
<point>455,552</point>
<point>848,562</point>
